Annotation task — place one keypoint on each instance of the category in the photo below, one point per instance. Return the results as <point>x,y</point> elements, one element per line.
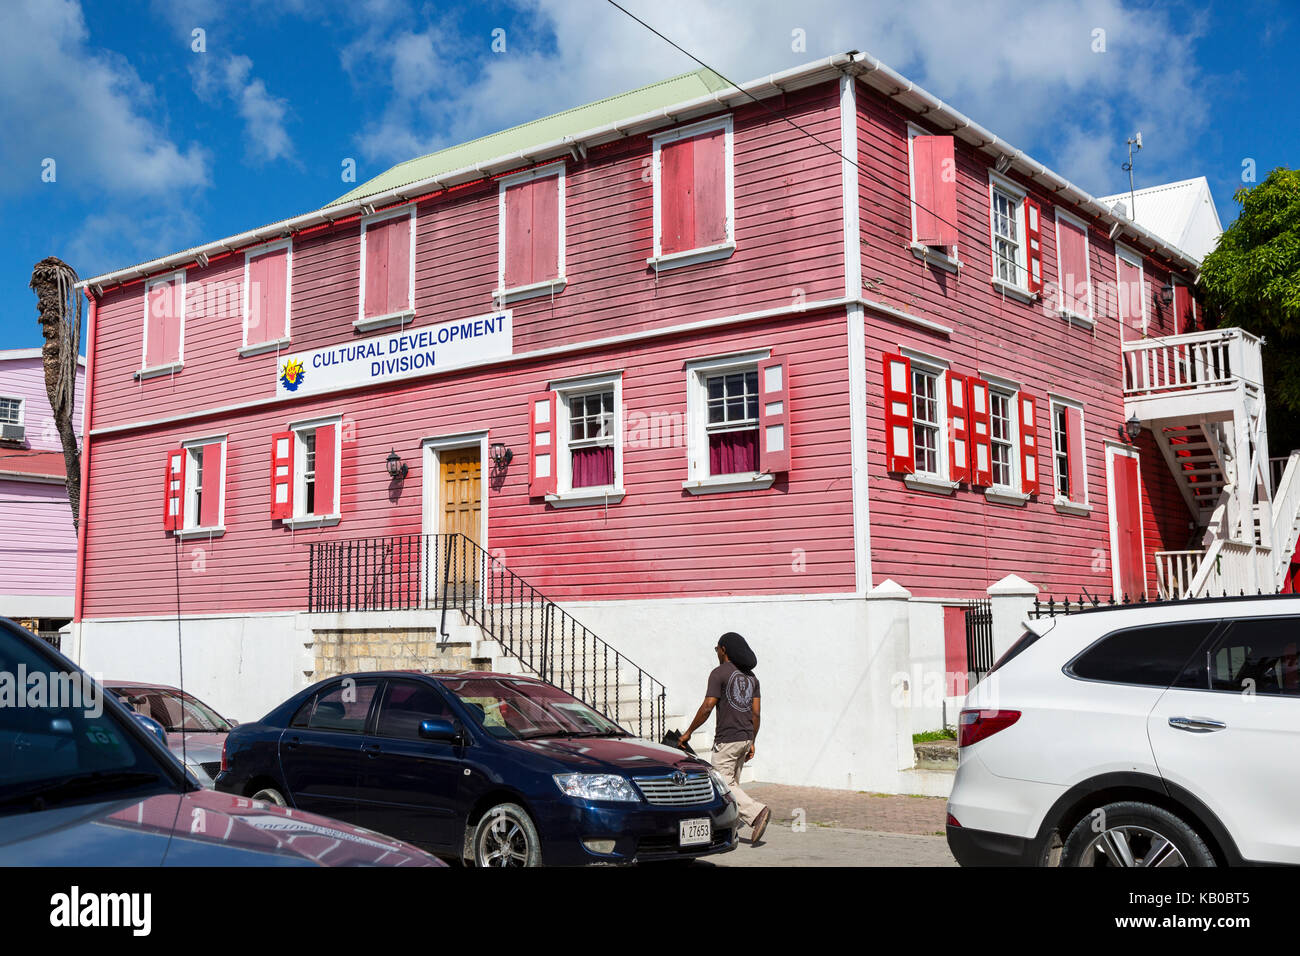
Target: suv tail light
<point>975,725</point>
<point>225,761</point>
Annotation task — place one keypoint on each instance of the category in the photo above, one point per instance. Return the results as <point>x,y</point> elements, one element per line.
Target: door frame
<point>430,452</point>
<point>1115,450</point>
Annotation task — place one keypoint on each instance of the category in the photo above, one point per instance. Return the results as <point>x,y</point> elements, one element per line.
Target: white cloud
<point>265,137</point>
<point>124,236</point>
<point>85,108</point>
<point>1027,71</point>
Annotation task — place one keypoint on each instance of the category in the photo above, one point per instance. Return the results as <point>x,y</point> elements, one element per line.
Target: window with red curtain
<point>591,439</point>
<point>732,421</point>
<point>692,198</point>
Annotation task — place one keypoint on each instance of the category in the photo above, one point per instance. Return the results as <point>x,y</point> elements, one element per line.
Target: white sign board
<point>410,353</point>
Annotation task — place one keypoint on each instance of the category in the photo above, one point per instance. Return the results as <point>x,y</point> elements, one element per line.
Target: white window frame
<point>190,516</point>
<point>1071,505</point>
<point>22,409</point>
<point>402,316</point>
<point>271,345</point>
<point>1020,288</point>
<point>945,257</point>
<point>302,518</point>
<point>923,480</point>
<point>698,480</point>
<point>722,250</point>
<point>1125,254</point>
<point>166,368</point>
<point>502,295</point>
<point>566,495</point>
<point>1067,314</point>
<point>1012,397</point>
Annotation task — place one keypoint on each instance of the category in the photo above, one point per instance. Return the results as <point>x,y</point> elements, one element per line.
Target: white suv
<point>1149,735</point>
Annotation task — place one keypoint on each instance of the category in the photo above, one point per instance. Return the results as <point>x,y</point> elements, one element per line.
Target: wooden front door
<point>460,511</point>
<point>1127,551</point>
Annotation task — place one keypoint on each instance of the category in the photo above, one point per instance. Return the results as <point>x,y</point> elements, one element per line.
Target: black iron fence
<point>449,573</point>
<point>979,638</point>
<point>1087,602</point>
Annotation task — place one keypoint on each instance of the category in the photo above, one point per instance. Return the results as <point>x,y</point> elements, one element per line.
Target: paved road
<point>836,846</point>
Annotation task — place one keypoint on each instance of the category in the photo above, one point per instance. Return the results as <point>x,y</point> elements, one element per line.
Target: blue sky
<point>158,146</point>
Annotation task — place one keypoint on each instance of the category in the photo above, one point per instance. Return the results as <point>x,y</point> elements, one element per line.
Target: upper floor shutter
<point>1072,267</point>
<point>692,192</point>
<point>268,297</point>
<point>388,266</point>
<point>773,416</point>
<point>542,444</point>
<point>934,184</point>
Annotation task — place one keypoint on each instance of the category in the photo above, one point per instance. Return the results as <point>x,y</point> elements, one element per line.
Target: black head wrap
<point>738,651</point>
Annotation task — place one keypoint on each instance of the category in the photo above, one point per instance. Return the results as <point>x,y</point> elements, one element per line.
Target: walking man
<point>733,690</point>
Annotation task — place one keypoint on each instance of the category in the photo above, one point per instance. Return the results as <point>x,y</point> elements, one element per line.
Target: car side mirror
<point>153,727</point>
<point>439,728</point>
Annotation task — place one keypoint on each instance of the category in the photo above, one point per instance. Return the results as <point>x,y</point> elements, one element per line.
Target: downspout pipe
<point>79,589</point>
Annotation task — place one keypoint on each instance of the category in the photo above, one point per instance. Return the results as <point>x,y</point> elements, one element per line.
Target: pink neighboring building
<point>38,546</point>
<point>678,368</point>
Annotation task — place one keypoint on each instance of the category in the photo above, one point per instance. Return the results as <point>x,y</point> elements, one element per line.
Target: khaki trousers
<point>728,759</point>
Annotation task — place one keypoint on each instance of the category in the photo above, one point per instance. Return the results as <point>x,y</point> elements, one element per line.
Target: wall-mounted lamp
<point>501,455</point>
<point>1167,294</point>
<point>1130,430</point>
<point>396,467</point>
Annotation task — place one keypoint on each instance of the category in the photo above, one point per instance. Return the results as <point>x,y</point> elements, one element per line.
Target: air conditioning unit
<point>12,432</point>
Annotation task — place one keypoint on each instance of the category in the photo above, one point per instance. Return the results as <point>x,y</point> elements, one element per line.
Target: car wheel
<point>270,795</point>
<point>505,836</point>
<point>1134,834</point>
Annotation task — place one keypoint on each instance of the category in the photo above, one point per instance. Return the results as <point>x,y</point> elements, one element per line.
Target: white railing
<point>1174,363</point>
<point>1276,468</point>
<point>1286,517</point>
<point>1231,568</point>
<point>1175,571</point>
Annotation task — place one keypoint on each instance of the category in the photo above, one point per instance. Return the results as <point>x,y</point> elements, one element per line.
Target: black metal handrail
<point>450,573</point>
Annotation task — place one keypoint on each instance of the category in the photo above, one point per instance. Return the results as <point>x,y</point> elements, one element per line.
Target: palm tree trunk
<point>59,309</point>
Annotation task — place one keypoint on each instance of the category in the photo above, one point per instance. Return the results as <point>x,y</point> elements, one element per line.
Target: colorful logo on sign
<point>291,375</point>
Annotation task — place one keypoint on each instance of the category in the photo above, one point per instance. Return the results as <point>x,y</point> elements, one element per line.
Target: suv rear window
<point>1152,656</point>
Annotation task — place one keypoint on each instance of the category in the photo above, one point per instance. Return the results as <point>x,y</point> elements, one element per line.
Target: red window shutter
<point>163,323</point>
<point>326,502</point>
<point>1034,244</point>
<point>1184,310</point>
<point>268,296</point>
<point>212,481</point>
<point>958,428</point>
<point>1028,444</point>
<point>541,444</point>
<point>376,290</point>
<point>519,235</point>
<point>773,416</point>
<point>677,196</point>
<point>546,228</point>
<point>977,404</point>
<point>399,263</point>
<point>282,448</point>
<point>900,457</point>
<point>174,491</point>
<point>1074,452</point>
<point>1130,295</point>
<point>1072,267</point>
<point>710,186</point>
<point>934,182</point>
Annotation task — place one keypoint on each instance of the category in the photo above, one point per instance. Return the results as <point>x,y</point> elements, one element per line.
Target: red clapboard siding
<point>796,537</point>
<point>789,245</point>
<point>938,545</point>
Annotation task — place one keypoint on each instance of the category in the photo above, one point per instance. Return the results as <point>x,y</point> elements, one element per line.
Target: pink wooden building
<point>38,544</point>
<point>670,364</point>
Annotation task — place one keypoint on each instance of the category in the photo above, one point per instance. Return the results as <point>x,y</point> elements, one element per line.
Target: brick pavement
<point>886,813</point>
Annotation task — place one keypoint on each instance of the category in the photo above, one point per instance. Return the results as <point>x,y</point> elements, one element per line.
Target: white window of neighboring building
<point>11,411</point>
<point>590,438</point>
<point>723,434</point>
<point>694,206</point>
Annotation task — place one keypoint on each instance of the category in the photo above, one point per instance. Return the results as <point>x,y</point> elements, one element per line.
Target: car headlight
<point>718,783</point>
<point>595,786</point>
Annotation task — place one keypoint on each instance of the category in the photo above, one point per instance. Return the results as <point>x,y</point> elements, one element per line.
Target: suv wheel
<point>505,836</point>
<point>1134,834</point>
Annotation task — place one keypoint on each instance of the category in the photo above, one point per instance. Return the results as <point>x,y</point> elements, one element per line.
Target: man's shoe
<point>760,825</point>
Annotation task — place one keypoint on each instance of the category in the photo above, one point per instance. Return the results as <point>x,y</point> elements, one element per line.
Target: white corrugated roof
<point>1172,211</point>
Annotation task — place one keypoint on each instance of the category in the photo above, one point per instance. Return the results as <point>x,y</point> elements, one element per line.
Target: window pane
<point>406,706</point>
<point>1153,656</point>
<point>1257,656</point>
<point>344,707</point>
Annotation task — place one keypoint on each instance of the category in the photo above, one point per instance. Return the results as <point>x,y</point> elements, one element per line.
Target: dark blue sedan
<point>496,769</point>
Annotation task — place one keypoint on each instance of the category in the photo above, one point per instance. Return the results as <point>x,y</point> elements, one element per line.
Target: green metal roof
<point>548,129</point>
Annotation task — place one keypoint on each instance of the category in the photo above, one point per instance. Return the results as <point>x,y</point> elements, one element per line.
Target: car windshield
<point>58,742</point>
<point>527,709</point>
<point>176,712</point>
